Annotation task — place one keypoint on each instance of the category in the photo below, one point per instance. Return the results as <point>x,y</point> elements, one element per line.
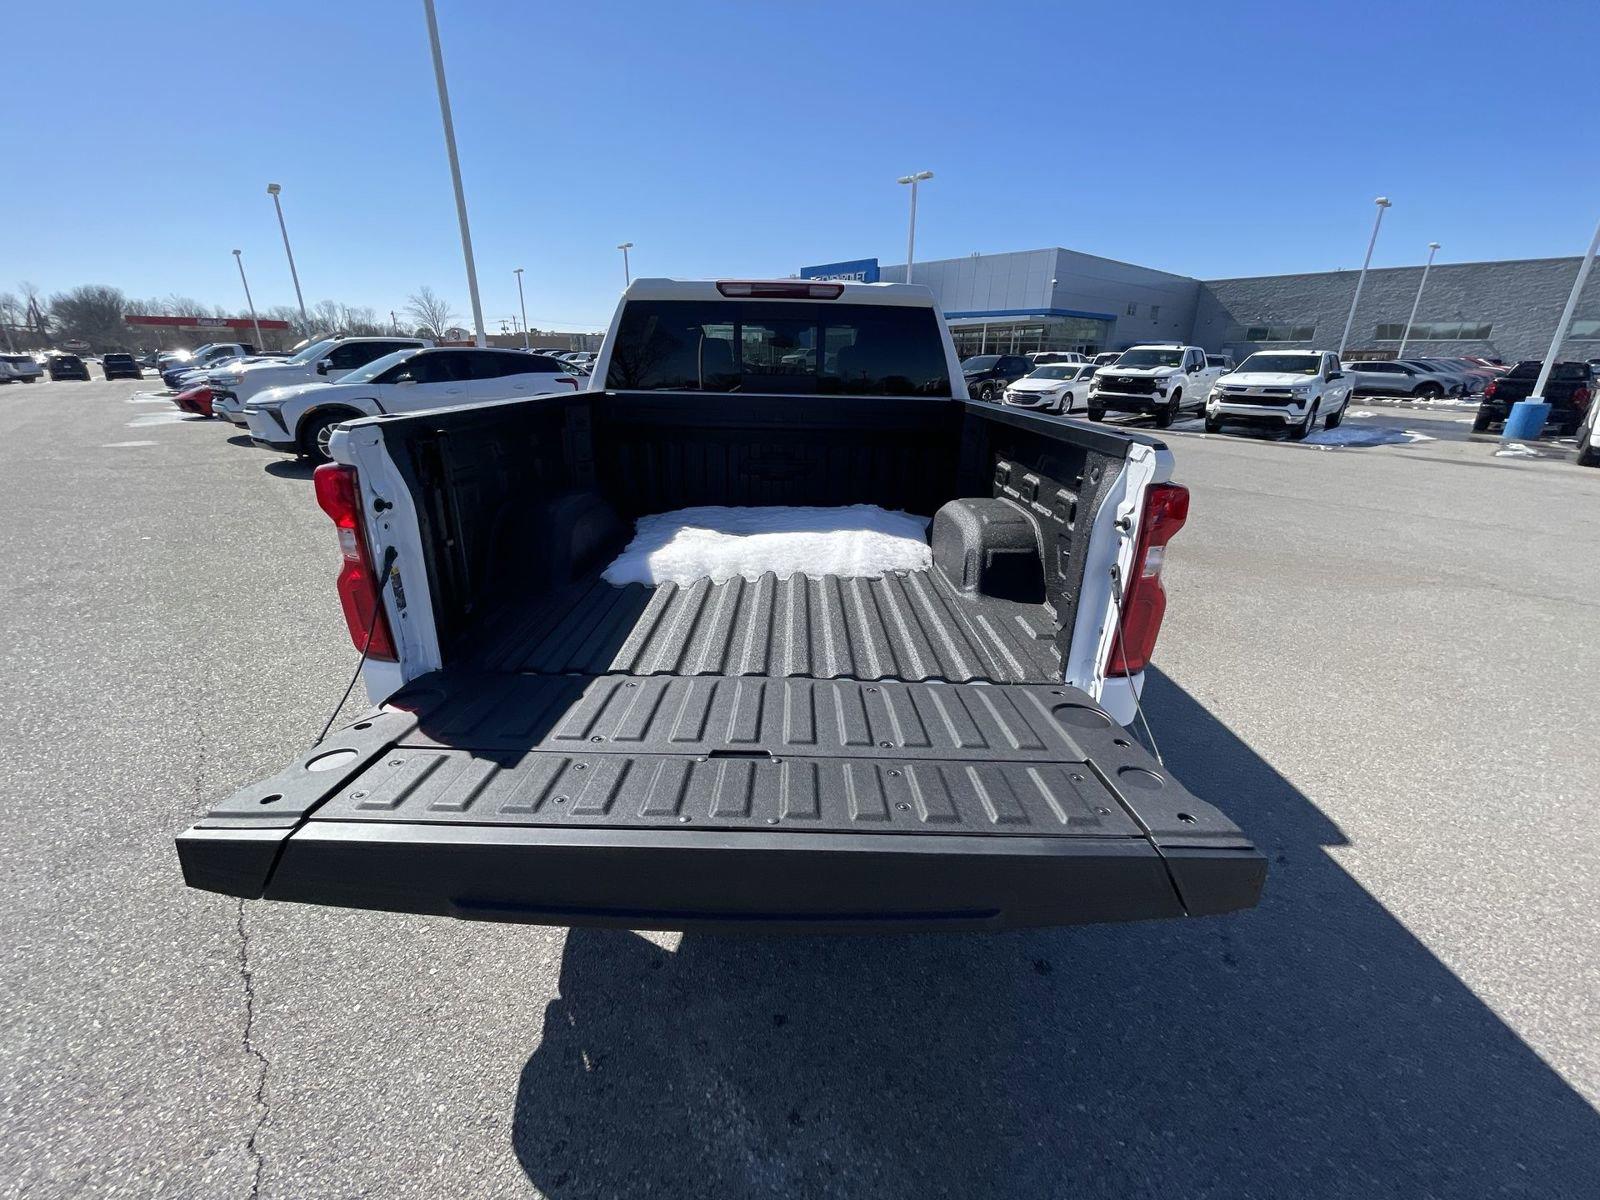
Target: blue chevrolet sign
<point>861,270</point>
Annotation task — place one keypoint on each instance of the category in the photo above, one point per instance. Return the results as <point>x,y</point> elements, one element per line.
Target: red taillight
<point>780,289</point>
<point>1490,389</point>
<point>1144,600</point>
<point>339,495</point>
<point>1580,398</point>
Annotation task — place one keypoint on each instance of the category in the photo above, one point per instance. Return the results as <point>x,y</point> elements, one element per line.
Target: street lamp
<point>911,236</point>
<point>1565,322</point>
<point>305,323</point>
<point>524,306</point>
<point>1382,202</point>
<point>455,170</point>
<point>239,258</point>
<point>1405,336</point>
<point>627,275</point>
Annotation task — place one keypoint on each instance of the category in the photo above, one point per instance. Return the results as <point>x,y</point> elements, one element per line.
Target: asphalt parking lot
<point>1380,661</point>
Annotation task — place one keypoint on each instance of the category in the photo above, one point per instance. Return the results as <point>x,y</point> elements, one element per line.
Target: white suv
<point>299,419</point>
<point>1161,379</point>
<point>1288,389</point>
<point>19,368</point>
<point>326,361</point>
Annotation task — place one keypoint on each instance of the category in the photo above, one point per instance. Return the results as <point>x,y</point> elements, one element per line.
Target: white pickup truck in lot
<point>1287,389</point>
<point>935,746</point>
<point>1161,379</point>
<point>299,419</point>
<point>326,361</point>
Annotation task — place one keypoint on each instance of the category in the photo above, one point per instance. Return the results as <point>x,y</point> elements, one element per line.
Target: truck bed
<point>910,625</point>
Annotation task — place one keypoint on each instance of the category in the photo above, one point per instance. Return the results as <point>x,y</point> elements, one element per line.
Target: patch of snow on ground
<point>1365,435</point>
<point>1517,450</point>
<point>1361,412</point>
<point>861,541</point>
<point>124,445</point>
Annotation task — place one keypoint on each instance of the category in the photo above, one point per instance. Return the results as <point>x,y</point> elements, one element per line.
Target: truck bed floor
<point>911,626</point>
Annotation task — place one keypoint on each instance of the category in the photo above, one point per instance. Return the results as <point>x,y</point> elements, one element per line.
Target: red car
<point>195,400</point>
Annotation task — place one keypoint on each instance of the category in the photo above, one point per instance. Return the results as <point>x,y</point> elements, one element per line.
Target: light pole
<point>1405,336</point>
<point>911,235</point>
<point>627,275</point>
<point>1382,202</point>
<point>305,322</point>
<point>394,325</point>
<point>239,258</point>
<point>455,171</point>
<point>523,304</point>
<point>1566,319</point>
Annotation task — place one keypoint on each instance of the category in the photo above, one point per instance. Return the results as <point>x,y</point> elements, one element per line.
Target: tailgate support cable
<point>1122,640</point>
<point>389,556</point>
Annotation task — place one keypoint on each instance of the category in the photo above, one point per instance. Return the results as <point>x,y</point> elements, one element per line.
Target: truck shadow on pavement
<point>1312,1047</point>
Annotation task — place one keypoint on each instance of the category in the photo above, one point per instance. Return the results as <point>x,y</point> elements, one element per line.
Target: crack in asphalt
<point>263,1108</point>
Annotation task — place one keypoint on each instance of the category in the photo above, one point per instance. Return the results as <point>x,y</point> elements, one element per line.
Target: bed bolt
<point>1104,812</point>
<point>397,762</point>
<point>561,799</point>
<point>772,820</point>
<point>683,820</point>
<point>581,766</point>
<point>357,795</point>
<point>597,738</point>
<point>1077,779</point>
<point>903,806</point>
<point>886,745</point>
<point>894,774</point>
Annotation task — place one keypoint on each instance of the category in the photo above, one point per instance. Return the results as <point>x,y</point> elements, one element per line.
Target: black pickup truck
<point>1569,391</point>
<point>932,748</point>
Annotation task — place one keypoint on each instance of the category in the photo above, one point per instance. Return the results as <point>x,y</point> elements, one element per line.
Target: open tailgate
<point>711,802</point>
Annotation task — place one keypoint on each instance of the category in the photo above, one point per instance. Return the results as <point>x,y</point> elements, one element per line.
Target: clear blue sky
<point>751,138</point>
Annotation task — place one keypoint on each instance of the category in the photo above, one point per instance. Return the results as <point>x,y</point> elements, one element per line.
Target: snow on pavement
<point>861,541</point>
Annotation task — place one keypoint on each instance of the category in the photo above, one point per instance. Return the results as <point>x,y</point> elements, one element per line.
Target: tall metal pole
<point>1433,248</point>
<point>305,322</point>
<point>455,171</point>
<point>394,325</point>
<point>627,275</point>
<point>239,258</point>
<point>911,234</point>
<point>1566,317</point>
<point>523,304</point>
<point>1382,202</point>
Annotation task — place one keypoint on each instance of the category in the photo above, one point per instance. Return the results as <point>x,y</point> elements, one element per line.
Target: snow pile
<point>861,541</point>
<point>1365,435</point>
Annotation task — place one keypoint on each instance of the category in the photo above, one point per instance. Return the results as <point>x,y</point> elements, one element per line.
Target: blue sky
<point>748,139</point>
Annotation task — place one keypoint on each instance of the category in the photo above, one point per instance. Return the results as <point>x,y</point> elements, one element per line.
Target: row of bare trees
<point>93,314</point>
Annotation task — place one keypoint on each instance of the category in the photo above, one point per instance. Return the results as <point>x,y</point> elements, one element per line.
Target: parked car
<point>120,366</point>
<point>988,374</point>
<point>1162,379</point>
<point>210,355</point>
<point>941,750</point>
<point>1225,361</point>
<point>1451,376</point>
<point>19,368</point>
<point>300,419</point>
<point>1106,358</point>
<point>326,361</point>
<point>1040,357</point>
<point>196,400</point>
<point>1383,378</point>
<point>1569,392</point>
<point>1587,452</point>
<point>1285,389</point>
<point>1053,387</point>
<point>67,366</point>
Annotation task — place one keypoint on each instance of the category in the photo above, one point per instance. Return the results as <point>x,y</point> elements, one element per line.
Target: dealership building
<point>1060,299</point>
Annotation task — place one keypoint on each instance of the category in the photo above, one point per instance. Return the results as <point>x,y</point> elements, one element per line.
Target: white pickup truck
<point>1161,379</point>
<point>934,747</point>
<point>326,361</point>
<point>1284,389</point>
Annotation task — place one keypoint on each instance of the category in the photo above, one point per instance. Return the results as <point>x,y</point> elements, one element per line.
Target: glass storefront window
<point>1027,336</point>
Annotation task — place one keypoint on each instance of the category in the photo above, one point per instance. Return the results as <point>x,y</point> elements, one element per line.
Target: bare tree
<point>33,312</point>
<point>431,312</point>
<point>91,313</point>
<point>10,314</point>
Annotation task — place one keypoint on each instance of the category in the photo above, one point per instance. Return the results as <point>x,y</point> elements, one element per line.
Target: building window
<point>1435,331</point>
<point>1585,329</point>
<point>1280,333</point>
<point>1133,308</point>
<point>1155,311</point>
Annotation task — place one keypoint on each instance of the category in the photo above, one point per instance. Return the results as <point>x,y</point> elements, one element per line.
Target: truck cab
<point>1161,379</point>
<point>571,728</point>
<point>1282,389</point>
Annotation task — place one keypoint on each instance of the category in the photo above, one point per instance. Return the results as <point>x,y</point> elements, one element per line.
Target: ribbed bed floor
<point>908,625</point>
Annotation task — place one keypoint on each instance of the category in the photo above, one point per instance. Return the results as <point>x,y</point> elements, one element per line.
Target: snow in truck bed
<point>860,541</point>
